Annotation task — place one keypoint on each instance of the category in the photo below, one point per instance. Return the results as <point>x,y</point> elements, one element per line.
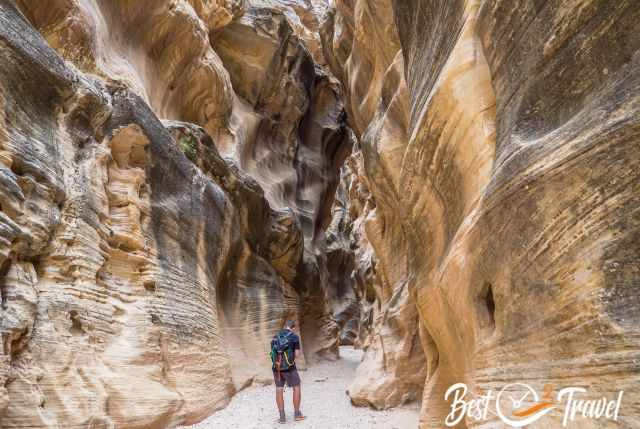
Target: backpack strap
<point>287,359</point>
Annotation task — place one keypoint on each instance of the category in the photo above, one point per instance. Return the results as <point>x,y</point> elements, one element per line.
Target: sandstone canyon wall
<point>168,173</point>
<point>174,186</point>
<point>497,186</point>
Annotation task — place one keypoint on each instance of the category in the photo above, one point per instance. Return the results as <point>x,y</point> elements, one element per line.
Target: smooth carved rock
<point>370,64</point>
<point>504,199</point>
<point>160,270</point>
<point>290,134</point>
<point>483,231</point>
<point>160,50</point>
<point>143,238</point>
<point>140,285</point>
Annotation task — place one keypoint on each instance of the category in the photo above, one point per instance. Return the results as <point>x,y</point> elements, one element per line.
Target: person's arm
<point>296,348</point>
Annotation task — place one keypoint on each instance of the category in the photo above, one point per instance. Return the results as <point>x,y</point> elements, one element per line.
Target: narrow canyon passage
<point>440,192</point>
<point>325,403</point>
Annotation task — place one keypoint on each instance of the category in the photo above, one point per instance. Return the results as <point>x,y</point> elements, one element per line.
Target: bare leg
<point>280,398</point>
<point>296,398</point>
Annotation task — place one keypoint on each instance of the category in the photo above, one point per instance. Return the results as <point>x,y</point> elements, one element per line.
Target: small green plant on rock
<point>189,145</point>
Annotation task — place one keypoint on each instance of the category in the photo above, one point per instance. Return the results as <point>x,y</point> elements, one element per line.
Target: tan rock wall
<point>513,187</point>
<point>143,275</point>
<point>290,134</point>
<point>484,229</point>
<point>363,50</point>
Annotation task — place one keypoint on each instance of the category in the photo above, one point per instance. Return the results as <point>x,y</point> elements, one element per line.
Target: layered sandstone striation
<point>497,186</point>
<point>164,204</point>
<point>173,186</point>
<point>363,49</point>
<point>290,134</point>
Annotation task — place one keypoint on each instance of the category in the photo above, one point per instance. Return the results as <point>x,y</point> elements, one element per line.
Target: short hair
<point>290,324</point>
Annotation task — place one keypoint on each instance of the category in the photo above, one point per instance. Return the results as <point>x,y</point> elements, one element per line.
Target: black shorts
<point>291,377</point>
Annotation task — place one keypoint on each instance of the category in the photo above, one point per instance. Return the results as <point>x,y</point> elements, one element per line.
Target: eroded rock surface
<point>370,64</point>
<point>172,188</point>
<point>143,274</point>
<point>290,133</point>
<point>500,188</point>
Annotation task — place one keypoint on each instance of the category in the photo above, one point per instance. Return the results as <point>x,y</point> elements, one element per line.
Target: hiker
<point>285,348</point>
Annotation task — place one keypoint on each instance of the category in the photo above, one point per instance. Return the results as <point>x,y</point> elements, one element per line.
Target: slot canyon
<point>450,186</point>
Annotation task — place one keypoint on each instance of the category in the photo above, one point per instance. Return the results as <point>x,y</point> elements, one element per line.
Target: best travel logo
<point>518,405</point>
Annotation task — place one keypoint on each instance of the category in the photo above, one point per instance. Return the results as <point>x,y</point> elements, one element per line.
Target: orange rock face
<point>498,191</point>
<point>177,178</point>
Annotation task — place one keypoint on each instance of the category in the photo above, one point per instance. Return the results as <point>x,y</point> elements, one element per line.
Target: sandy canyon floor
<point>324,402</point>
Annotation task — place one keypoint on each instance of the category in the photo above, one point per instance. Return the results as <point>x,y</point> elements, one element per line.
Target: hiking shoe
<point>283,418</point>
<point>299,416</point>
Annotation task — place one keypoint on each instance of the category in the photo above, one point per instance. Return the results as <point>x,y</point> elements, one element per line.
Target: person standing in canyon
<point>285,348</point>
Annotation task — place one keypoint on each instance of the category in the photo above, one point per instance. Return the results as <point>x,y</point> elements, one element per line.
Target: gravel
<point>324,402</point>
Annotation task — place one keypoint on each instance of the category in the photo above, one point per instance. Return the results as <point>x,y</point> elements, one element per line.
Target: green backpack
<point>282,357</point>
